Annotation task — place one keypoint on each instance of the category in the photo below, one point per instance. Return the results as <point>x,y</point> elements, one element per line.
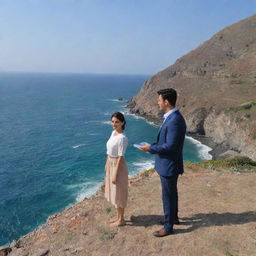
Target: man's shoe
<point>176,222</point>
<point>162,232</point>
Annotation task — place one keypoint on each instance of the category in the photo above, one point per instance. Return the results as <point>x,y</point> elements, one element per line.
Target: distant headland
<point>216,84</point>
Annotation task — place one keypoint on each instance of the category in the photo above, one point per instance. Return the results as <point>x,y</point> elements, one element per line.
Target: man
<point>168,157</point>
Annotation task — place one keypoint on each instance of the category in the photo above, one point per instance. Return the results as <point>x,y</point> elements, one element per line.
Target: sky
<point>109,36</point>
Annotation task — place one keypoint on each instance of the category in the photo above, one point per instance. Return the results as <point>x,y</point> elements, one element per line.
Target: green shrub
<point>245,106</point>
<point>108,209</point>
<point>236,163</point>
<point>149,172</point>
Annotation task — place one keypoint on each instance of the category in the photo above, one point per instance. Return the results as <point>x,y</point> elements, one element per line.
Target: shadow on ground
<point>198,220</point>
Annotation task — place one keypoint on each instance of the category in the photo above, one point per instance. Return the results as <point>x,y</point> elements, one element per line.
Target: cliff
<point>216,84</point>
<point>214,217</point>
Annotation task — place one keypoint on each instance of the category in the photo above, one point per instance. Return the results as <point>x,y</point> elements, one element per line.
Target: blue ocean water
<point>53,131</point>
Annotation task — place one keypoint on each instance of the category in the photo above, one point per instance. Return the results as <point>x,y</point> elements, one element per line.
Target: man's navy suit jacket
<point>169,146</point>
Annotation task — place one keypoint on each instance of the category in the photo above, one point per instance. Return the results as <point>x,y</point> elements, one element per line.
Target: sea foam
<point>203,150</point>
<point>127,113</point>
<point>78,146</point>
<point>117,100</point>
<point>141,166</point>
<point>87,189</point>
<point>92,133</point>
<point>106,122</point>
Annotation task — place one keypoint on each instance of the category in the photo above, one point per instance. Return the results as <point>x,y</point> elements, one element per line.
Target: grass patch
<point>236,82</point>
<point>109,210</point>
<point>244,106</point>
<point>69,236</point>
<point>146,173</point>
<point>228,253</point>
<point>107,235</point>
<point>190,164</point>
<point>235,164</point>
<point>149,172</point>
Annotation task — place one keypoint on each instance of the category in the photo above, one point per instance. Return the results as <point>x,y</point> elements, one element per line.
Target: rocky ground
<point>217,213</point>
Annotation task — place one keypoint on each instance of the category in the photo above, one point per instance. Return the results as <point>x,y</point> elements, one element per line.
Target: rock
<point>52,216</point>
<point>229,154</point>
<point>5,250</point>
<point>196,123</point>
<point>18,252</point>
<point>16,243</point>
<point>79,249</point>
<point>41,252</point>
<point>65,249</point>
<point>120,99</point>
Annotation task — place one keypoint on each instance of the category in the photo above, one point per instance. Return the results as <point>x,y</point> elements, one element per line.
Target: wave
<point>89,122</point>
<point>108,113</point>
<point>203,150</point>
<point>106,122</point>
<point>127,113</point>
<point>141,166</point>
<point>78,146</point>
<point>87,189</point>
<point>98,122</point>
<point>79,109</point>
<point>117,100</point>
<point>92,133</point>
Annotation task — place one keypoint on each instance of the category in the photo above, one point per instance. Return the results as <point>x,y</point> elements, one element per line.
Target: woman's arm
<point>120,161</point>
<point>106,164</point>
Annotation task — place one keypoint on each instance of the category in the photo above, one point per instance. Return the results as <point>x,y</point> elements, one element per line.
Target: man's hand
<point>145,147</point>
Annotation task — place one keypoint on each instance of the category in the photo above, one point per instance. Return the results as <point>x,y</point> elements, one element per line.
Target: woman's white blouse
<point>116,145</point>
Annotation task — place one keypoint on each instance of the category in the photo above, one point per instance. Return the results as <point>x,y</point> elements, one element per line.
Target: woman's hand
<point>114,180</point>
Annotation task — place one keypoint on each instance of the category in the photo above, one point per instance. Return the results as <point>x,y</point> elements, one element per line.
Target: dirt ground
<point>217,214</point>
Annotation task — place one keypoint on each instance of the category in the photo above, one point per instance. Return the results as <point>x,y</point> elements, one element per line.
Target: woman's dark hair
<point>169,94</point>
<point>120,117</point>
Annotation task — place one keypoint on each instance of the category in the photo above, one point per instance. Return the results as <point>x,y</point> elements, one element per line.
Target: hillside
<point>216,84</point>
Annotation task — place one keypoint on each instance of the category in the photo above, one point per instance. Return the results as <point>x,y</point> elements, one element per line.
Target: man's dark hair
<point>169,94</point>
<point>120,117</point>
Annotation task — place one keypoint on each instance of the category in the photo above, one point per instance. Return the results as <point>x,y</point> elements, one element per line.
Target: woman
<point>116,185</point>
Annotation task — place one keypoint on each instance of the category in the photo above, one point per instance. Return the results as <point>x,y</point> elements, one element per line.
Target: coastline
<point>81,218</point>
<point>216,149</point>
<point>89,195</point>
<point>93,190</point>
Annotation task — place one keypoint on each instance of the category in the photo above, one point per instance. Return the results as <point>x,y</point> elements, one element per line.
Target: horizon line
<point>71,73</point>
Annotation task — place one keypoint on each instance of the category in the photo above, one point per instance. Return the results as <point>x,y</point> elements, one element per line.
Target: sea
<point>53,133</point>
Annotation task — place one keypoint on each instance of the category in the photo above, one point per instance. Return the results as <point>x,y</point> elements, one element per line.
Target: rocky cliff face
<point>216,84</point>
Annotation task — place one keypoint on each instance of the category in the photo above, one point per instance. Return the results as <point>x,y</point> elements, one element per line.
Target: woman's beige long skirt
<point>117,193</point>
